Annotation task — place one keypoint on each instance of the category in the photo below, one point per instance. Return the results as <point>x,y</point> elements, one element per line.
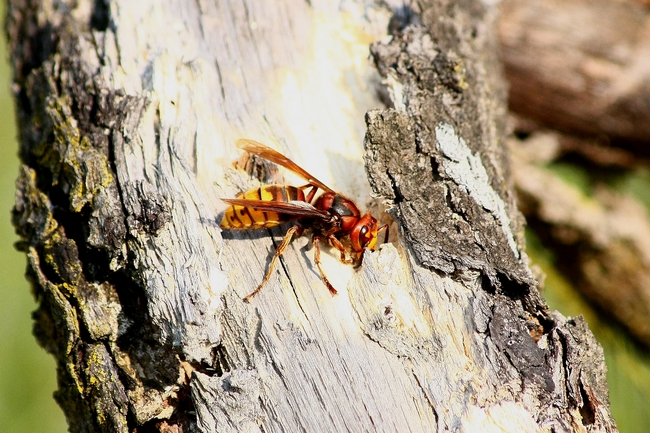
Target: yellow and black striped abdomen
<point>241,217</point>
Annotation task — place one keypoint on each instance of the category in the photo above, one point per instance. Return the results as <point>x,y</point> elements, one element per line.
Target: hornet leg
<point>316,241</point>
<point>339,246</point>
<point>278,252</point>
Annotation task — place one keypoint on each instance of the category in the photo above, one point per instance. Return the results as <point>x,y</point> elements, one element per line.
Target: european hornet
<point>331,216</point>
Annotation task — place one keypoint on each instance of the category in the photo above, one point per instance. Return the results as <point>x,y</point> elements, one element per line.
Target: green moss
<point>70,157</point>
<point>95,374</point>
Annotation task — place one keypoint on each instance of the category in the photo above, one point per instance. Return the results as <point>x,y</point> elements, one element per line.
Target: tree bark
<point>128,115</point>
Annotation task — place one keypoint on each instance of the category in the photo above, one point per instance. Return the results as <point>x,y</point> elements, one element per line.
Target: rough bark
<point>128,115</point>
<point>580,66</point>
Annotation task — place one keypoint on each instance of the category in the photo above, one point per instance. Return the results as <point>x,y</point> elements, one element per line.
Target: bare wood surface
<point>580,66</point>
<point>128,117</point>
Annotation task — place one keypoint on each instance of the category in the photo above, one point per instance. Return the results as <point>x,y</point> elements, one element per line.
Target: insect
<point>330,216</point>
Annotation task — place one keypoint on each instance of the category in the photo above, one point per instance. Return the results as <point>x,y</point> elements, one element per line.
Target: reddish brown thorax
<point>341,207</point>
<point>363,230</point>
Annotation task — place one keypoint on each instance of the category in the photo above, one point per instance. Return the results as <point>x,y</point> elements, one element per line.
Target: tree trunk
<point>128,118</point>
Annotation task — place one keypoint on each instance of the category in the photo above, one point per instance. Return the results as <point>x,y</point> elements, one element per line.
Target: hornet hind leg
<point>316,242</point>
<point>278,252</point>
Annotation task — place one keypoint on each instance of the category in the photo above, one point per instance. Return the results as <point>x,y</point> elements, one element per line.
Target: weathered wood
<point>580,66</point>
<point>128,116</point>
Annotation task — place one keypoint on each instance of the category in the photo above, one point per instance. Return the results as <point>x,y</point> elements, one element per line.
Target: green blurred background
<point>27,373</point>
